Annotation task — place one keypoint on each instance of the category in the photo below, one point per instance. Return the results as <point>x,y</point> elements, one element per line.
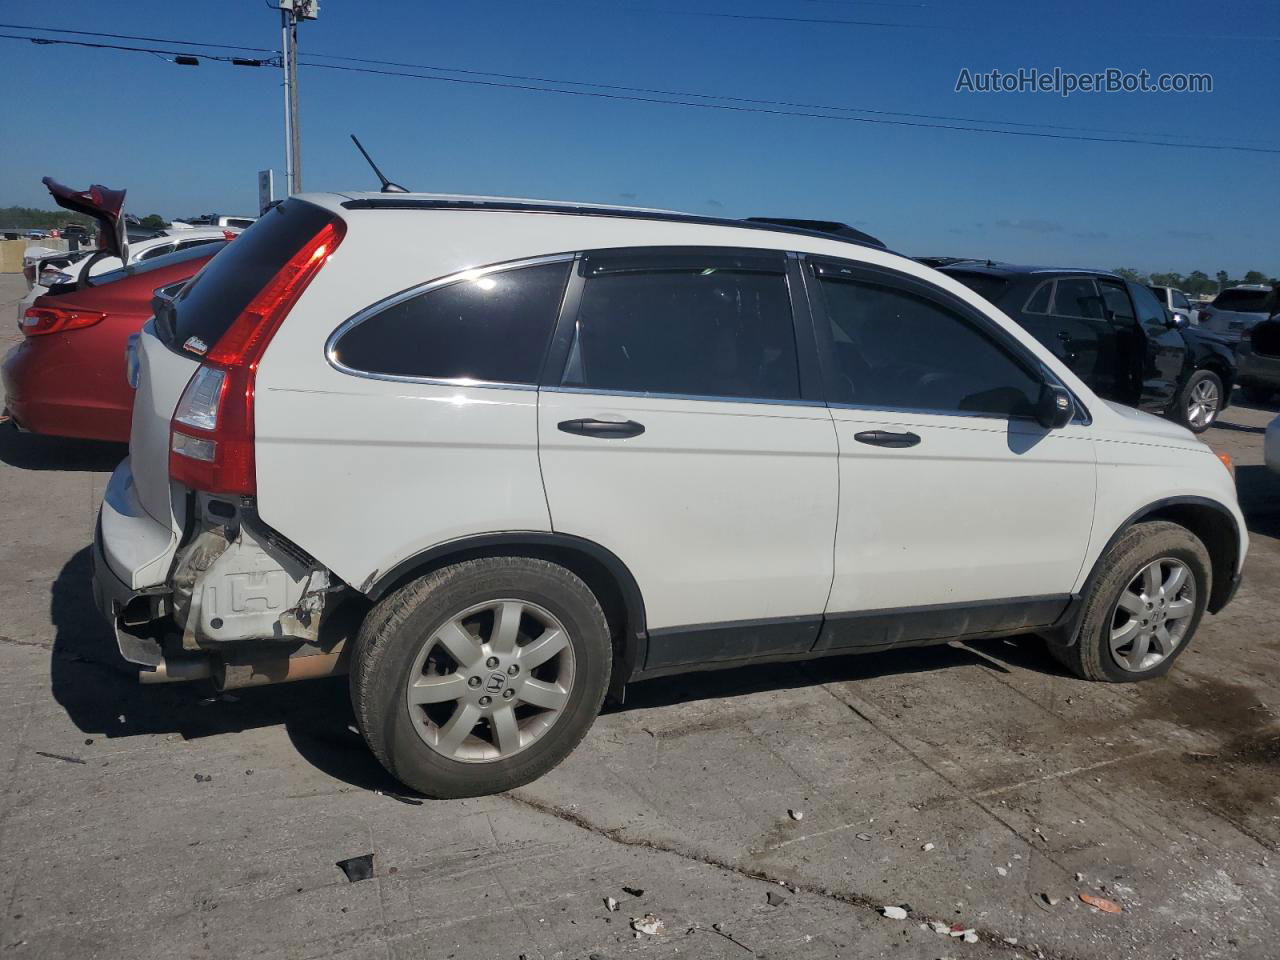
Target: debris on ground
<point>357,868</point>
<point>795,814</point>
<point>1050,899</point>
<point>648,924</point>
<point>634,891</point>
<point>411,801</point>
<point>940,928</point>
<point>1079,877</point>
<point>776,898</point>
<point>611,904</point>
<point>1011,941</point>
<point>203,778</point>
<point>927,847</point>
<point>1002,871</point>
<point>1101,903</point>
<point>894,913</point>
<point>59,756</point>
<point>863,836</point>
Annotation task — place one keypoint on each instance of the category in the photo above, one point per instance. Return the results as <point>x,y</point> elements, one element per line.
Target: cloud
<point>1035,226</point>
<point>1191,234</point>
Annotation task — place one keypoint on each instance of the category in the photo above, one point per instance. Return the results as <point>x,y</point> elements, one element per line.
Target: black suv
<point>1115,335</point>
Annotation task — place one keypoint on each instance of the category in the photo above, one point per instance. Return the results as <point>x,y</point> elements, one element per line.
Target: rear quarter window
<point>493,328</point>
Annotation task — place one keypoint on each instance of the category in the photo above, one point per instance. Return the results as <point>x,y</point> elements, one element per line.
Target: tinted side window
<point>493,328</point>
<point>1077,297</point>
<point>703,331</point>
<point>1117,301</point>
<point>1038,302</point>
<point>154,252</point>
<point>199,242</point>
<point>894,348</point>
<point>1180,301</point>
<point>1150,310</point>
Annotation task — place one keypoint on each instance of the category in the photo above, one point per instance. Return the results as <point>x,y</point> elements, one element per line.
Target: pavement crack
<point>848,898</point>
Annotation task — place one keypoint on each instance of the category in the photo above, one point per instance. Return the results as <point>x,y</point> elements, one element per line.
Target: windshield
<point>1243,301</point>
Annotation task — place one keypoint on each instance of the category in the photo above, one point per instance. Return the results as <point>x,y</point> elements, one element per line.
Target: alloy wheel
<point>490,681</point>
<point>1202,405</point>
<point>1152,615</point>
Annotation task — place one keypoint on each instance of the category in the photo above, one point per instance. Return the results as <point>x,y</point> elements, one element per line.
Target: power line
<point>746,106</point>
<point>837,108</point>
<point>162,53</point>
<point>796,113</point>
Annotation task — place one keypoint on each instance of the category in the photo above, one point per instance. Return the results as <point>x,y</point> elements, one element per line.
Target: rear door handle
<point>884,438</point>
<point>608,429</point>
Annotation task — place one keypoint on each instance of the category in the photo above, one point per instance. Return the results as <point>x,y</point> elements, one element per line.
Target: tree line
<point>1197,282</point>
<point>32,218</point>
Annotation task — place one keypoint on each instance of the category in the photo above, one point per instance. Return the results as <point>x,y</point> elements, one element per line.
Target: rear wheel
<point>1144,607</point>
<point>1200,401</point>
<point>481,676</point>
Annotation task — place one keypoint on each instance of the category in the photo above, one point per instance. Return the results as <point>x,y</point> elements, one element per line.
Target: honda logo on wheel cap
<point>495,682</point>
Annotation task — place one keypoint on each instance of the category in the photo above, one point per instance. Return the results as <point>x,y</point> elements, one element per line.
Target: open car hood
<point>104,205</point>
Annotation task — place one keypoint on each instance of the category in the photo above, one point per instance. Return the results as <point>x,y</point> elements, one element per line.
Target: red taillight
<point>41,320</point>
<point>211,435</point>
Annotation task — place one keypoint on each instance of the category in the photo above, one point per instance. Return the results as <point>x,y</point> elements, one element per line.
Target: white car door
<point>678,433</point>
<point>959,513</point>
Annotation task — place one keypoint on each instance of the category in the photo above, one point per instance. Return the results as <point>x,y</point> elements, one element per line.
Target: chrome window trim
<point>648,395</point>
<point>1038,287</point>
<point>473,273</point>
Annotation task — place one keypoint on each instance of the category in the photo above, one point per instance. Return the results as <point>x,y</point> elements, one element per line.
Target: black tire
<point>1090,656</point>
<point>394,632</point>
<point>1181,408</point>
<point>1258,395</point>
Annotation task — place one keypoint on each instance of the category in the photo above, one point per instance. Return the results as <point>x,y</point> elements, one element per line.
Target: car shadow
<point>101,695</point>
<point>29,451</point>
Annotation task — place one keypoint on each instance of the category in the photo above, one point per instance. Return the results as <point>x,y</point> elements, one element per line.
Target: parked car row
<point>1115,335</point>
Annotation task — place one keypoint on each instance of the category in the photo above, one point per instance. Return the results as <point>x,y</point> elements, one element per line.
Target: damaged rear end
<point>195,583</point>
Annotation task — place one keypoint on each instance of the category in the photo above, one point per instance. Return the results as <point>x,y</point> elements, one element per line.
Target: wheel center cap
<point>495,682</point>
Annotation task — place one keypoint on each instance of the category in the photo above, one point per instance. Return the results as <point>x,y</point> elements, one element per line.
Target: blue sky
<point>185,140</point>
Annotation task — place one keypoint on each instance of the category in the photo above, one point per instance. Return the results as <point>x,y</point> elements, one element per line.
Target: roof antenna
<point>387,185</point>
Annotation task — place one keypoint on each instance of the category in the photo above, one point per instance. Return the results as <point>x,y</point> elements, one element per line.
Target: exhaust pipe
<point>177,670</point>
<point>237,671</point>
<point>240,669</point>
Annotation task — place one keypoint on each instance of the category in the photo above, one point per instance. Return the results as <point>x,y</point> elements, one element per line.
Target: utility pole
<point>291,11</point>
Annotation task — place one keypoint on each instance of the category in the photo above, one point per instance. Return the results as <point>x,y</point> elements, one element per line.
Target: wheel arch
<point>1211,522</point>
<point>600,568</point>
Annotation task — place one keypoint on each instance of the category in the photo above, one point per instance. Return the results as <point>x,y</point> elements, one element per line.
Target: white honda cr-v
<point>498,458</point>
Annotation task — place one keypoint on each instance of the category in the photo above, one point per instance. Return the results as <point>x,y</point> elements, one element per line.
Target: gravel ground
<point>159,822</point>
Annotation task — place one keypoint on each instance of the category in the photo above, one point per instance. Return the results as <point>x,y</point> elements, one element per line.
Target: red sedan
<point>67,377</point>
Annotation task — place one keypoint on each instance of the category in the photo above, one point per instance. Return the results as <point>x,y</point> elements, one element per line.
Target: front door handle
<point>884,438</point>
<point>608,429</point>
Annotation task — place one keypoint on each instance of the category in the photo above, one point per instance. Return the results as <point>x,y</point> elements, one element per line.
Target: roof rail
<point>838,231</point>
<point>833,227</point>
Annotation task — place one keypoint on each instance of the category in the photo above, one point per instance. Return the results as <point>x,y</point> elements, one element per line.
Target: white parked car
<point>1271,445</point>
<point>555,448</point>
<point>1176,302</point>
<point>56,269</point>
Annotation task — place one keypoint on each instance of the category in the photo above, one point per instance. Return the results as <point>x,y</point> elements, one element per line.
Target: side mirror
<point>1173,320</point>
<point>1055,407</point>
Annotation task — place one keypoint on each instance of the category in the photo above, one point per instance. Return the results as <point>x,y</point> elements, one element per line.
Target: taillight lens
<point>211,434</point>
<point>38,321</point>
